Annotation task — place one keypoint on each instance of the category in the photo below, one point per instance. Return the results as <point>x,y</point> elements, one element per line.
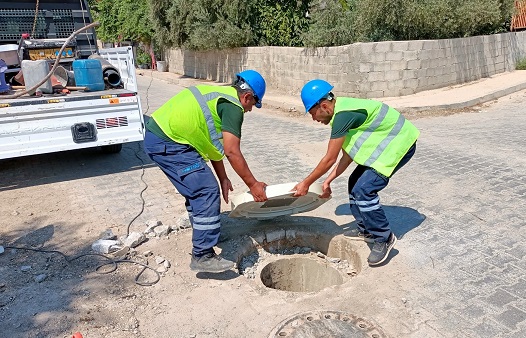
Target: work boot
<point>381,250</point>
<point>357,235</point>
<point>210,262</point>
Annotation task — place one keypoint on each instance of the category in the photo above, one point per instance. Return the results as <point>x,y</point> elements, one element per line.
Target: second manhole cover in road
<point>332,324</point>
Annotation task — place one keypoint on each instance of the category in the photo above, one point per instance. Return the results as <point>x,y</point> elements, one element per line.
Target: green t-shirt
<point>231,120</point>
<point>347,120</point>
<point>231,117</point>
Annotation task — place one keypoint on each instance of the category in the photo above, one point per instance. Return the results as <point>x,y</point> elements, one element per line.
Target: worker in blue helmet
<point>203,123</point>
<point>252,80</point>
<point>378,139</point>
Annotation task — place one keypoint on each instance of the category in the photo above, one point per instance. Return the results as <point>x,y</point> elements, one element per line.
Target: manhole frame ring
<point>258,240</point>
<point>288,325</point>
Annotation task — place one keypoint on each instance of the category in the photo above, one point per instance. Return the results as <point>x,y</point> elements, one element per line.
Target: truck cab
<point>48,23</point>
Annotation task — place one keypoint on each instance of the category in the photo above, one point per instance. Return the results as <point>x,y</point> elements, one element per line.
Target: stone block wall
<point>376,69</point>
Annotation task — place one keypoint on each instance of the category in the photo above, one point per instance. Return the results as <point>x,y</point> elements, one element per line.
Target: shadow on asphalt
<point>25,301</point>
<point>70,165</point>
<point>36,238</point>
<point>226,275</point>
<point>402,219</point>
<point>392,254</point>
<point>35,170</point>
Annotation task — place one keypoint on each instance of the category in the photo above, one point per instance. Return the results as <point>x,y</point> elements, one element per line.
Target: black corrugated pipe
<point>110,74</point>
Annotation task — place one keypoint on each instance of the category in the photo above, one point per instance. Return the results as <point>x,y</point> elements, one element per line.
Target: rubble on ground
<point>104,246</point>
<point>250,264</point>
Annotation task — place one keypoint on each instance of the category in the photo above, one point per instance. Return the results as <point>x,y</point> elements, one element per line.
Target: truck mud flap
<point>83,132</point>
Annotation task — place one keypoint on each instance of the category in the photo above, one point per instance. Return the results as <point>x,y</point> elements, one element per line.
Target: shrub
<point>143,58</point>
<point>380,20</point>
<point>438,19</point>
<point>281,23</point>
<point>221,24</point>
<point>521,64</point>
<point>331,24</point>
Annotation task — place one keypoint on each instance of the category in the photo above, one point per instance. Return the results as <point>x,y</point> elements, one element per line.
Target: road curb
<point>469,103</point>
<point>295,106</point>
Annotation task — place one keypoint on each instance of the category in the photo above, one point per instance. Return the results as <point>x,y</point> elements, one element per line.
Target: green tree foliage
<point>422,19</point>
<point>106,14</point>
<point>380,20</point>
<point>281,23</point>
<point>331,24</point>
<point>123,20</point>
<point>203,24</point>
<point>163,31</point>
<point>218,24</point>
<point>135,18</point>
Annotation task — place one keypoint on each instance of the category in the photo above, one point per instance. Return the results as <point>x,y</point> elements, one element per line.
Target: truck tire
<point>111,149</point>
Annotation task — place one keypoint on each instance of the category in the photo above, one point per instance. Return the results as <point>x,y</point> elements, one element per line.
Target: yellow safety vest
<point>190,117</point>
<point>382,140</point>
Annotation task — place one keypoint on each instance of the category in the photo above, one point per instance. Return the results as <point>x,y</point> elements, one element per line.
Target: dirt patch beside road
<point>63,202</point>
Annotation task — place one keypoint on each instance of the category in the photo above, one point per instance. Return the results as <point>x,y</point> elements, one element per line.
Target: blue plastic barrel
<point>88,73</point>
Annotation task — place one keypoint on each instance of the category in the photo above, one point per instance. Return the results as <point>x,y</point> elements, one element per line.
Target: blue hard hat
<point>256,82</point>
<point>313,91</point>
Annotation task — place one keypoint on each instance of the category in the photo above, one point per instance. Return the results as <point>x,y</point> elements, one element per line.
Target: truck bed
<point>51,123</point>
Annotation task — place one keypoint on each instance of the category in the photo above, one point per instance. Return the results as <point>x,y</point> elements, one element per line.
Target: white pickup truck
<point>106,119</point>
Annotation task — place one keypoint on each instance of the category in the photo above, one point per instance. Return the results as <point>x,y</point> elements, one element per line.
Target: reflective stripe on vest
<point>382,140</point>
<point>202,101</point>
<point>385,142</point>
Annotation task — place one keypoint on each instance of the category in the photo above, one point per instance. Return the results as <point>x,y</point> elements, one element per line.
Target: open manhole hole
<point>300,274</point>
<point>298,260</point>
<point>326,324</point>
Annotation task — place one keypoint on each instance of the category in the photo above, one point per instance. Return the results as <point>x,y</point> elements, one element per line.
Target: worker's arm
<point>226,185</point>
<point>325,164</point>
<point>338,170</point>
<point>232,146</point>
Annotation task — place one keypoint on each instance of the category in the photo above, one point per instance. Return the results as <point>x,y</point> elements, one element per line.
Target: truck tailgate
<point>34,126</point>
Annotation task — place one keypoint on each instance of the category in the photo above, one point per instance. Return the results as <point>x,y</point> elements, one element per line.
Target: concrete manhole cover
<point>332,324</point>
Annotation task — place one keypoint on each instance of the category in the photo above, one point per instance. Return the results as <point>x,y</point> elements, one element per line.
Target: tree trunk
<point>152,56</point>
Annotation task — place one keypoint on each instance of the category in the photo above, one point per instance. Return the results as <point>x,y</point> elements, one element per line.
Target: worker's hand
<point>258,191</point>
<point>326,190</point>
<point>226,186</point>
<point>301,189</point>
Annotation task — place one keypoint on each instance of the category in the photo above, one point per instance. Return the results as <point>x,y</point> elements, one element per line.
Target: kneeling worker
<point>379,139</point>
<point>198,124</point>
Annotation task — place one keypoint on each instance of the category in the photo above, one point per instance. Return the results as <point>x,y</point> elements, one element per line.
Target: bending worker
<point>379,139</point>
<point>198,124</point>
